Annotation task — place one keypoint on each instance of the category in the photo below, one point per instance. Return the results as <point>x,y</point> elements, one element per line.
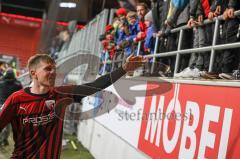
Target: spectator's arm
<point>131,38</point>
<point>77,92</point>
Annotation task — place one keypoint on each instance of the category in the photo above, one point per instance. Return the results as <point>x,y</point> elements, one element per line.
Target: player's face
<point>46,74</point>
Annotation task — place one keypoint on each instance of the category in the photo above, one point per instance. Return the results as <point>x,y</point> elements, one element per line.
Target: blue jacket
<point>150,40</point>
<point>133,30</point>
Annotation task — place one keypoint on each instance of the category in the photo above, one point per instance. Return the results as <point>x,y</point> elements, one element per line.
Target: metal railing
<point>212,48</point>
<point>87,38</point>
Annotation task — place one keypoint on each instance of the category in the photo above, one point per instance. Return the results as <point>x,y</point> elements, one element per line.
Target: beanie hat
<point>121,11</point>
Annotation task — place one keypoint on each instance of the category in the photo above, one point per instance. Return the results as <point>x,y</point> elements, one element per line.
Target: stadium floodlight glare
<point>67,5</point>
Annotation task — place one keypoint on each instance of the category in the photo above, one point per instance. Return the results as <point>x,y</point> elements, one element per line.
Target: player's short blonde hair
<point>36,59</point>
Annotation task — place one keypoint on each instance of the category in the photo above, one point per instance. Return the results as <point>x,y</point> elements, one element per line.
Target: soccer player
<point>36,113</point>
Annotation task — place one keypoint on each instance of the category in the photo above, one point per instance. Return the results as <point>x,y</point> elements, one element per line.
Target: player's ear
<point>32,73</point>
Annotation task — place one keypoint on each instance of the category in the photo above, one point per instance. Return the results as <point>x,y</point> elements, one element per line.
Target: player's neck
<point>38,89</point>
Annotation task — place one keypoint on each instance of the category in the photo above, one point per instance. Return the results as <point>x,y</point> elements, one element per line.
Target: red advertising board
<point>191,121</point>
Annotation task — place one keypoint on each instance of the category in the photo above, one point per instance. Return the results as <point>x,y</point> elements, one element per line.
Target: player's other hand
<point>134,62</point>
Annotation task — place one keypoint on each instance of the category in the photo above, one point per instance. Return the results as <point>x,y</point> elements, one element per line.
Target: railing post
<point>113,61</point>
<point>154,53</point>
<point>123,57</point>
<point>105,63</point>
<point>95,37</point>
<point>139,47</point>
<point>215,35</point>
<point>178,54</point>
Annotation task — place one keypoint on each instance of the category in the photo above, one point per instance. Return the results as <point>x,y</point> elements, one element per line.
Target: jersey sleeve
<point>77,92</point>
<point>7,112</point>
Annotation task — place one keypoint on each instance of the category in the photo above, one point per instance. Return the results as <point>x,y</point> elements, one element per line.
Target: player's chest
<point>36,107</point>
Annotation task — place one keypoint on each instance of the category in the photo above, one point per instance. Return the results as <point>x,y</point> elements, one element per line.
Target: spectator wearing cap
<point>122,17</point>
<point>121,14</point>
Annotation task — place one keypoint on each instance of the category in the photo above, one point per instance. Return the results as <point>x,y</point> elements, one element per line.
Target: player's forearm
<point>100,83</point>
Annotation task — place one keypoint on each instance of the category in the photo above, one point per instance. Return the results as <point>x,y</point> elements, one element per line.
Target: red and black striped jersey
<point>37,120</point>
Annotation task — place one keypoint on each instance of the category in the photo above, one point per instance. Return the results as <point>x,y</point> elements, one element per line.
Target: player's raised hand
<point>134,62</point>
